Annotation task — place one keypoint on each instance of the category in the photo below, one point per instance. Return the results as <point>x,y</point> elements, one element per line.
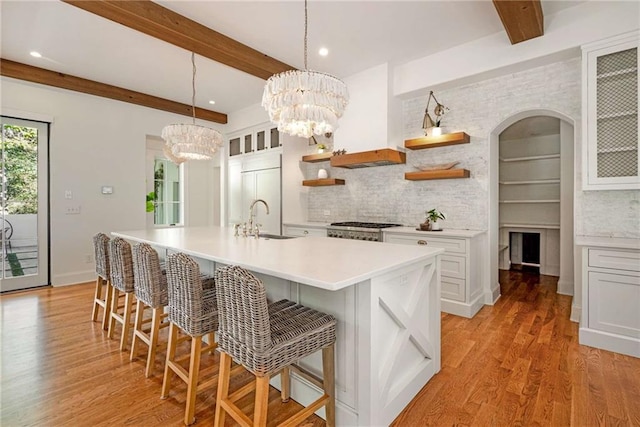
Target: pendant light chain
<point>305,35</point>
<point>193,87</point>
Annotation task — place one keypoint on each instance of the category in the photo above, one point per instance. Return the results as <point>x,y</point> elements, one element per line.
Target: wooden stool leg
<point>126,321</point>
<point>97,296</point>
<point>223,387</point>
<point>262,401</point>
<point>137,327</point>
<point>285,385</point>
<point>114,310</point>
<point>329,384</point>
<point>171,355</point>
<point>153,341</point>
<point>192,385</point>
<point>107,305</point>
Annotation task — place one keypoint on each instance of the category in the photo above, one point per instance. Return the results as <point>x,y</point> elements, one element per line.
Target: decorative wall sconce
<point>428,123</point>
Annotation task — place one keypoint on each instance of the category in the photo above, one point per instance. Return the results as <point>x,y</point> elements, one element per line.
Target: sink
<point>274,236</point>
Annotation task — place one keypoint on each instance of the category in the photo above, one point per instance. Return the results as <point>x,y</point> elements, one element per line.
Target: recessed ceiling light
<point>212,102</point>
<point>36,54</point>
<point>323,51</point>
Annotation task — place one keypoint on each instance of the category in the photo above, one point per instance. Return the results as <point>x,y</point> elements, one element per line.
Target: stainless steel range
<point>358,230</point>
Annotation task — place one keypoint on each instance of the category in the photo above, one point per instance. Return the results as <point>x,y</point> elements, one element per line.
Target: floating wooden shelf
<point>437,141</point>
<point>364,159</point>
<point>322,182</point>
<point>318,157</point>
<point>439,174</point>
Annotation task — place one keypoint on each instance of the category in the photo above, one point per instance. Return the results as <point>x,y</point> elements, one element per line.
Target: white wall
<point>493,55</point>
<point>94,142</point>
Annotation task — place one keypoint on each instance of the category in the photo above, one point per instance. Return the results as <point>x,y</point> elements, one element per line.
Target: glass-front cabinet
<point>610,113</point>
<point>254,139</point>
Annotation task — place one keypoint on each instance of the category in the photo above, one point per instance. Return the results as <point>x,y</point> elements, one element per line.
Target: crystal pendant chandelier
<point>305,102</point>
<point>190,141</point>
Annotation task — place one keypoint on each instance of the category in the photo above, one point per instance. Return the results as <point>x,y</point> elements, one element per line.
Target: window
<point>167,193</point>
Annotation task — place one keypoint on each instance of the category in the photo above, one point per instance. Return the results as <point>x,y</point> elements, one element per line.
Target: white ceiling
<point>358,34</point>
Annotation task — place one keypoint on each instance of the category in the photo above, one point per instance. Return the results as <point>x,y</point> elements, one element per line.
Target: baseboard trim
<point>565,288</point>
<point>75,278</point>
<point>492,296</point>
<point>576,313</point>
<point>462,308</point>
<point>608,341</point>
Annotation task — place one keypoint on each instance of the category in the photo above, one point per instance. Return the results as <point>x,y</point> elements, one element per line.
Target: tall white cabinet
<point>610,113</point>
<point>251,177</point>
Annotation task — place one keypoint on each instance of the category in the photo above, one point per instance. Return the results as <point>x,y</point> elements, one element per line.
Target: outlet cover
<point>326,212</point>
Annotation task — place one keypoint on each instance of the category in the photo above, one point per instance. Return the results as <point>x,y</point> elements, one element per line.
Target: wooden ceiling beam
<point>33,74</point>
<point>157,21</point>
<point>523,20</point>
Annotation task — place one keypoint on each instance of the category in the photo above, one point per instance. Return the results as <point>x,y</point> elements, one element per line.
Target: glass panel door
<point>24,215</point>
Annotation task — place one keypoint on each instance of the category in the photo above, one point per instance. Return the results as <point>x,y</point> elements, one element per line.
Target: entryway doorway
<point>24,204</point>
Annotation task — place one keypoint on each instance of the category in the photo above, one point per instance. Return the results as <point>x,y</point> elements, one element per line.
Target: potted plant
<point>321,148</point>
<point>433,216</point>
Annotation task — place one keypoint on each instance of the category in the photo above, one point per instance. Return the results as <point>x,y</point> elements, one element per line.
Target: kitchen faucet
<point>251,214</point>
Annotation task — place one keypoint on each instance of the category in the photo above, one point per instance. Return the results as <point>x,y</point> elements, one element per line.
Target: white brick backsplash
<point>382,194</point>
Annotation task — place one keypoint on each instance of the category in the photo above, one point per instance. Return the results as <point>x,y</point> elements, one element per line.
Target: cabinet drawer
<point>453,289</point>
<point>304,232</point>
<point>450,245</point>
<point>453,266</point>
<point>615,259</point>
<point>613,303</point>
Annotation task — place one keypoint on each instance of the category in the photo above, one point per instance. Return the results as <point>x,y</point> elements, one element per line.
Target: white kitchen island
<point>385,296</point>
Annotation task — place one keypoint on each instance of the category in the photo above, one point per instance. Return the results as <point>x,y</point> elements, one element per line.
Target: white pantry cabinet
<point>461,265</point>
<point>256,177</point>
<point>611,298</point>
<point>610,113</point>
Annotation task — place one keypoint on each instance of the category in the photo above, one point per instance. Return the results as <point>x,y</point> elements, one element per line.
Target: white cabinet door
<point>610,109</point>
<point>268,188</point>
<point>614,303</point>
<point>235,192</point>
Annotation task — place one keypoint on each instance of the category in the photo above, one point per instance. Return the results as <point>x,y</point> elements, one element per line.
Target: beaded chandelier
<point>190,141</point>
<point>305,102</point>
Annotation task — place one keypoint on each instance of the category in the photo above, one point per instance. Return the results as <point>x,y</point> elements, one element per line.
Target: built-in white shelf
<point>545,226</point>
<point>618,73</point>
<point>529,201</point>
<point>534,182</point>
<point>528,158</point>
<point>629,113</point>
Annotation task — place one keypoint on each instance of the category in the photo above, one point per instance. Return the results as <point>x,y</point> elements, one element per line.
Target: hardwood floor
<point>519,363</point>
<point>516,363</point>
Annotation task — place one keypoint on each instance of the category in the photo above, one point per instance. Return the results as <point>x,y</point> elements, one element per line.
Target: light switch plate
<point>107,189</point>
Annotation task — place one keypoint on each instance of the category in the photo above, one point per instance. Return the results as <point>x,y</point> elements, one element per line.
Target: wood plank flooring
<point>519,363</point>
<point>516,363</point>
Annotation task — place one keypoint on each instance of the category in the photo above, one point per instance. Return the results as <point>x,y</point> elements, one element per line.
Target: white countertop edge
<point>445,232</point>
<point>608,242</point>
<point>330,286</point>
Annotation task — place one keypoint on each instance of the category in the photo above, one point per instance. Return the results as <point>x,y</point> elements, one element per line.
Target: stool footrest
<point>312,378</point>
<point>306,412</point>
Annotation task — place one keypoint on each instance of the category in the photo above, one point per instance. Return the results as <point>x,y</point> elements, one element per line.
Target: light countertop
<point>608,242</point>
<point>322,262</point>
<point>309,224</point>
<point>444,233</point>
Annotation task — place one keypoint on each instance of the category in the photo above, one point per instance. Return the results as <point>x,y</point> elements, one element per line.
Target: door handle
<point>422,242</point>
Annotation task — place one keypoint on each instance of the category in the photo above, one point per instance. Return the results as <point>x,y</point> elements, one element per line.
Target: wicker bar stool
<point>150,288</point>
<point>102,297</point>
<point>193,310</point>
<point>122,280</point>
<point>268,339</point>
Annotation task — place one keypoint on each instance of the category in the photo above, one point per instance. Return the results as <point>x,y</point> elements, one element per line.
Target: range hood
<point>365,159</point>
